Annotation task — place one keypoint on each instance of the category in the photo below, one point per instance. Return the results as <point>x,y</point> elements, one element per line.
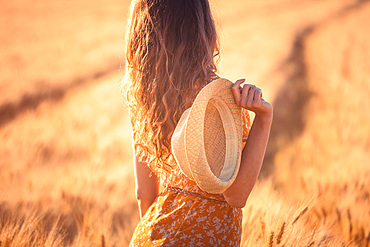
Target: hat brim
<point>219,94</point>
<point>187,141</point>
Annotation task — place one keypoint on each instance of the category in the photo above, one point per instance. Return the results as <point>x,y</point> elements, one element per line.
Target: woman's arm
<point>146,185</point>
<point>249,97</point>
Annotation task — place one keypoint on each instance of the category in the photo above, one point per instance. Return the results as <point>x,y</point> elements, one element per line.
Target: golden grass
<point>64,177</point>
<point>66,167</point>
<point>57,44</point>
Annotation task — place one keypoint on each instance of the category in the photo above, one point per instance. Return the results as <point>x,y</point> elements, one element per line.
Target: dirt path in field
<point>247,32</point>
<point>295,93</point>
<point>29,102</point>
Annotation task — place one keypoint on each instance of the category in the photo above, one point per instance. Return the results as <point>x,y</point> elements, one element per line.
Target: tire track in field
<point>11,110</point>
<point>291,101</point>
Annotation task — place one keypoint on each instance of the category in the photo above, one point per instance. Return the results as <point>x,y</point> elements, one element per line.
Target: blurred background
<point>66,176</point>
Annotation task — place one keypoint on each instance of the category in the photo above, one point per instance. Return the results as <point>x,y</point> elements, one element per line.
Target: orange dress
<point>184,215</point>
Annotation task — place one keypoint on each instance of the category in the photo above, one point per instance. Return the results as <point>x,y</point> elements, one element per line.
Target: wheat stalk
<point>322,240</point>
<point>362,234</point>
<point>263,229</point>
<point>300,215</point>
<point>367,243</point>
<point>311,244</point>
<point>280,234</point>
<point>102,241</point>
<point>338,215</point>
<point>350,223</point>
<point>324,214</point>
<point>271,239</point>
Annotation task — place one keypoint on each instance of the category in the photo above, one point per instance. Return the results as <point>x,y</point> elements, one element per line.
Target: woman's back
<point>170,46</point>
<point>185,215</point>
<point>170,56</point>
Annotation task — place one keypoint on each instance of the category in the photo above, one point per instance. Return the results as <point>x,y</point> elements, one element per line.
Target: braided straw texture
<point>214,147</point>
<point>207,141</point>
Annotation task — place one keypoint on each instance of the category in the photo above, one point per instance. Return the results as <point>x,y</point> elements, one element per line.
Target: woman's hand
<point>250,97</point>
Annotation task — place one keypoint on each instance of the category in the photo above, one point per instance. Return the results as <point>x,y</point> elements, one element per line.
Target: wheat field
<point>66,176</point>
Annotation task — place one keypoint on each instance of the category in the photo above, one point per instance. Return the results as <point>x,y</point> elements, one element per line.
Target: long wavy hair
<point>170,44</point>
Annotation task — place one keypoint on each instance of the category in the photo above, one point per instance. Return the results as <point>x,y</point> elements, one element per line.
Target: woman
<point>171,51</point>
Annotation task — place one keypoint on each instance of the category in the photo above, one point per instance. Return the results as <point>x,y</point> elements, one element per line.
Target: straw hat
<point>207,141</point>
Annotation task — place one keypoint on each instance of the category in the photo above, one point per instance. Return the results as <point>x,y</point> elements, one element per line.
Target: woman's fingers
<point>235,89</point>
<point>245,95</point>
<point>260,92</point>
<point>257,94</point>
<point>250,97</point>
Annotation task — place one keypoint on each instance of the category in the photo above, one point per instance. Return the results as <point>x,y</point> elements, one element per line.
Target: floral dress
<point>184,215</point>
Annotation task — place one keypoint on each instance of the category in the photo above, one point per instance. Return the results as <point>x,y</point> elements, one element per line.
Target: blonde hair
<point>170,45</point>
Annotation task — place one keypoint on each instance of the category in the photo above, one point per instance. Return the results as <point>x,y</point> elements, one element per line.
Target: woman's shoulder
<point>211,77</point>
